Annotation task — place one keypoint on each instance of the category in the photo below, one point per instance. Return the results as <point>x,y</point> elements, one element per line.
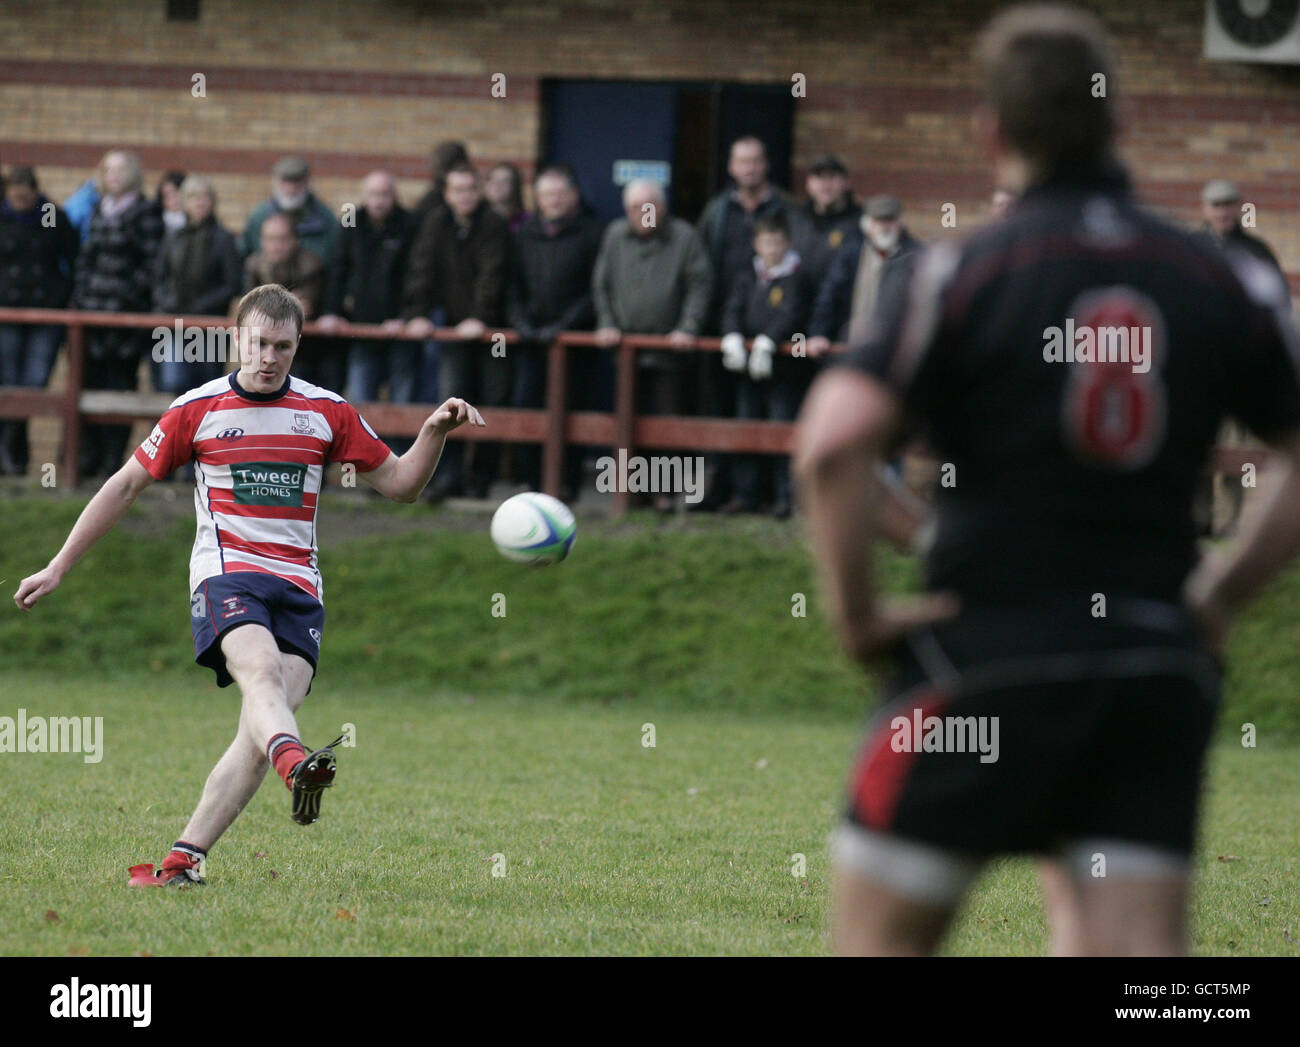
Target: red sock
<point>285,753</point>
<point>182,856</point>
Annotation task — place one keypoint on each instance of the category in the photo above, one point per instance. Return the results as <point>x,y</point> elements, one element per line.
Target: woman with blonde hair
<point>199,272</point>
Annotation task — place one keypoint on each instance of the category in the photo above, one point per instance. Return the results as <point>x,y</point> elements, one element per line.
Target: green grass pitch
<point>500,798</point>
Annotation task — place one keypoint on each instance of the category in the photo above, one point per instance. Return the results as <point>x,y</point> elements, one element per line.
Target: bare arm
<point>843,430</point>
<point>99,517</point>
<point>402,479</point>
<point>1226,581</point>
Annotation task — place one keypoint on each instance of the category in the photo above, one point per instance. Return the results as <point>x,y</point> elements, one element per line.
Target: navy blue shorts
<point>226,601</point>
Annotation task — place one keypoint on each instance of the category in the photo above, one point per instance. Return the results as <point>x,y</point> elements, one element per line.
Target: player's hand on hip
<point>866,639</point>
<point>33,587</point>
<point>1211,616</point>
<point>454,413</point>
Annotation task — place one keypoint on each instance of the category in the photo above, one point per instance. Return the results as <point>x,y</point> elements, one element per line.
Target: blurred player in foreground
<point>1056,686</point>
<point>260,440</point>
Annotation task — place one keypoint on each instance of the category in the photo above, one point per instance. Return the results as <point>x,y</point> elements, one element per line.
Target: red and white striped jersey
<point>259,458</point>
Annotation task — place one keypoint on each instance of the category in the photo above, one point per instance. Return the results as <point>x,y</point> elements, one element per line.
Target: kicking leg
<point>239,772</point>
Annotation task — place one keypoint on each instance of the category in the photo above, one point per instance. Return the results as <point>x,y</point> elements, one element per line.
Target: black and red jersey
<point>1070,366</point>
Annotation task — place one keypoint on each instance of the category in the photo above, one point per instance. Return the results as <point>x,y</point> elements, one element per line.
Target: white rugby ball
<point>534,528</point>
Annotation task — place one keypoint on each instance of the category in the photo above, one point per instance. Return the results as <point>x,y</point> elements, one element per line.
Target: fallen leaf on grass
<point>345,914</point>
<point>51,916</point>
<point>78,950</point>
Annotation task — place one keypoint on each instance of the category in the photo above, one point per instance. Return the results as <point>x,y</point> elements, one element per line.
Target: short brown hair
<point>1038,63</point>
<point>274,302</point>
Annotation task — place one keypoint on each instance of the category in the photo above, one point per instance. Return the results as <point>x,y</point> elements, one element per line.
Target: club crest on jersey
<point>230,434</point>
<point>233,607</point>
<point>302,425</point>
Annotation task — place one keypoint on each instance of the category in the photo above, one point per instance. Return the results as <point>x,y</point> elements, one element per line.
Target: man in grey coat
<point>652,277</point>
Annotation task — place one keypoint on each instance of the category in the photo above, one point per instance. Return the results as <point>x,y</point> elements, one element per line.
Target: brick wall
<point>354,85</point>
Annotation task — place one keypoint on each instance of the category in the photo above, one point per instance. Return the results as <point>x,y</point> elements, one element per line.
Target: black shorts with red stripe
<point>1019,730</point>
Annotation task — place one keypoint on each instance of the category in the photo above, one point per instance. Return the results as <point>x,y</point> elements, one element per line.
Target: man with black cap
<point>862,274</point>
<point>313,223</point>
<point>829,221</point>
<point>1221,209</point>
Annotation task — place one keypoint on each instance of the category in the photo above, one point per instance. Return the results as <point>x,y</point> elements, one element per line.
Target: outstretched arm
<point>402,479</point>
<point>98,518</point>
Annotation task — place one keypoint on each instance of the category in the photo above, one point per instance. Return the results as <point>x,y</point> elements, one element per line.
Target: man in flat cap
<point>314,224</point>
<point>861,274</point>
<point>1219,496</point>
<point>1221,209</point>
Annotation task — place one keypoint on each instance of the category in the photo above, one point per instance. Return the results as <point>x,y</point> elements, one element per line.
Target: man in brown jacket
<point>283,260</point>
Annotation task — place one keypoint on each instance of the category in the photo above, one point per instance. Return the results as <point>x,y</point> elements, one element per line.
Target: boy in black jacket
<point>768,303</point>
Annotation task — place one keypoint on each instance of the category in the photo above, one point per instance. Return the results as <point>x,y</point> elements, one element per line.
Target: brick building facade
<point>357,85</point>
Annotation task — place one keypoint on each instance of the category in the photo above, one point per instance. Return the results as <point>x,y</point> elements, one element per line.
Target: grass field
<point>520,737</point>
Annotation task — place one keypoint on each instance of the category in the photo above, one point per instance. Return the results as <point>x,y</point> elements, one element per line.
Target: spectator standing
<point>768,304</point>
<point>828,222</point>
<point>1000,201</point>
<point>862,274</point>
<point>1218,496</point>
<point>549,291</point>
<point>653,276</point>
<point>168,199</point>
<point>284,260</point>
<point>366,285</point>
<point>504,190</point>
<point>115,273</point>
<point>80,206</point>
<point>198,274</point>
<point>727,228</point>
<point>446,155</point>
<point>1221,209</point>
<point>38,254</point>
<point>313,223</point>
<point>458,265</point>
